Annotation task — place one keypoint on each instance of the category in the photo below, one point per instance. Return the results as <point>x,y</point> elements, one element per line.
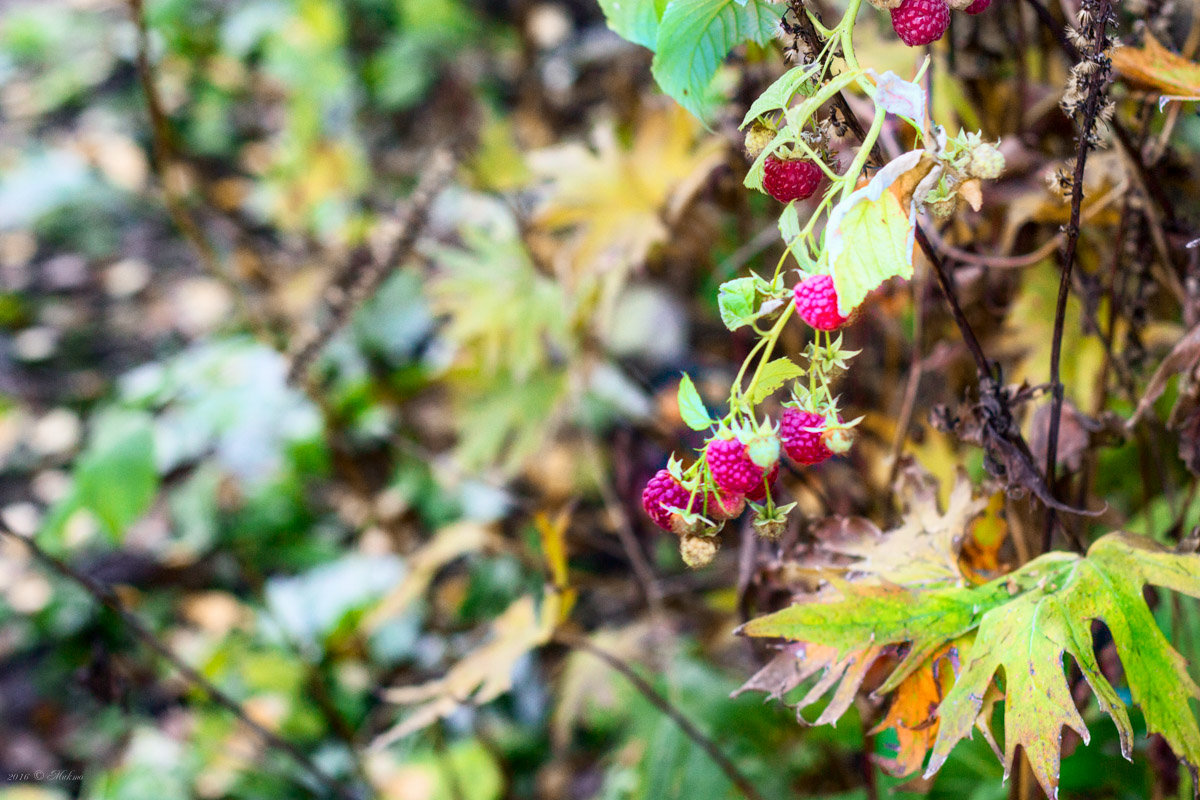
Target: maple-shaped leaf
<point>796,663</point>
<point>1155,67</point>
<point>616,199</point>
<point>1026,638</point>
<point>484,674</point>
<point>1023,622</point>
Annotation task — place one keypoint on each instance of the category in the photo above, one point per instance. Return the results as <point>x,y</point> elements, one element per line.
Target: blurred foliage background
<point>502,393</point>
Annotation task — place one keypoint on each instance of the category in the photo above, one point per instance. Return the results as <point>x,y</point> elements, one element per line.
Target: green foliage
<point>694,37</point>
<point>115,478</point>
<point>636,20</point>
<point>1023,624</point>
<point>691,406</point>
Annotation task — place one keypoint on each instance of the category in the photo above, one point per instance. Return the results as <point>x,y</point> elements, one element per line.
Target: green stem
<point>769,347</point>
<point>864,152</point>
<point>846,27</point>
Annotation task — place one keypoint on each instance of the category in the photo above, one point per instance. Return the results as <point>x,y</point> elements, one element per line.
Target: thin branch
<point>360,281</point>
<point>105,597</point>
<point>163,150</point>
<point>735,775</point>
<point>1091,110</point>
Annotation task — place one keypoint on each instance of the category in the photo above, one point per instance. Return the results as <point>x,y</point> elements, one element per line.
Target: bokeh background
<point>316,465</point>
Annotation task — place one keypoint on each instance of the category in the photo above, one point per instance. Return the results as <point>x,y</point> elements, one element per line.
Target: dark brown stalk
<point>1092,105</point>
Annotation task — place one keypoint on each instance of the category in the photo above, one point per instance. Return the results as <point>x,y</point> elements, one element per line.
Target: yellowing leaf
<point>1155,67</point>
<point>448,544</point>
<point>924,548</point>
<point>553,534</point>
<point>614,201</point>
<point>798,662</point>
<point>870,234</point>
<point>1022,624</point>
<point>484,674</point>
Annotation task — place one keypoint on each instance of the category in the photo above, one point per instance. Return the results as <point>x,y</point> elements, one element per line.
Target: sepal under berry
<point>770,524</point>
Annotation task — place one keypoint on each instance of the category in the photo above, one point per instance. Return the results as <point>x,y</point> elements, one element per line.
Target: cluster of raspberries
<point>743,468</point>
<point>920,22</point>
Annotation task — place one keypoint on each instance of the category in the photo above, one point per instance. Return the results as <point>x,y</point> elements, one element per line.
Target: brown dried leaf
<point>1153,66</point>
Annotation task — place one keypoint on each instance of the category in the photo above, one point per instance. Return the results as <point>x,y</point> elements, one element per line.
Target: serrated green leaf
<point>694,36</point>
<point>736,301</point>
<point>779,94</point>
<point>691,407</point>
<point>1027,637</point>
<point>635,20</point>
<point>774,375</point>
<point>870,234</point>
<point>1024,623</point>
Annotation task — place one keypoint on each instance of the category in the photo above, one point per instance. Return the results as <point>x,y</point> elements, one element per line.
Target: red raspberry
<point>817,303</point>
<point>760,492</point>
<point>803,446</point>
<point>920,22</point>
<point>661,492</point>
<point>724,506</point>
<point>978,7</point>
<point>791,179</point>
<point>731,467</point>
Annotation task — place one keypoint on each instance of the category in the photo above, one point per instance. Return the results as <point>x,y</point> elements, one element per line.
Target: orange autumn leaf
<point>913,711</point>
<point>979,558</point>
<point>1155,67</point>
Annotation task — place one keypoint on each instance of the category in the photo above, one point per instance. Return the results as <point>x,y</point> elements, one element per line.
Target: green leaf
<point>775,374</point>
<point>870,235</point>
<point>1027,637</point>
<point>115,478</point>
<point>691,407</point>
<point>736,301</point>
<point>1024,623</point>
<point>779,94</point>
<point>694,36</point>
<point>635,20</point>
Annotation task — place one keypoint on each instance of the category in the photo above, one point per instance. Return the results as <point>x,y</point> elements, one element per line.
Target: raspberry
<point>791,179</point>
<point>817,303</point>
<point>803,446</point>
<point>919,22</point>
<point>731,467</point>
<point>978,7</point>
<point>723,506</point>
<point>986,162</point>
<point>757,139</point>
<point>759,493</point>
<point>698,551</point>
<point>661,492</point>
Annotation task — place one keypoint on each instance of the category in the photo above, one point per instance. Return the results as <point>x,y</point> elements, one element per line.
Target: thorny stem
<point>1091,110</point>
